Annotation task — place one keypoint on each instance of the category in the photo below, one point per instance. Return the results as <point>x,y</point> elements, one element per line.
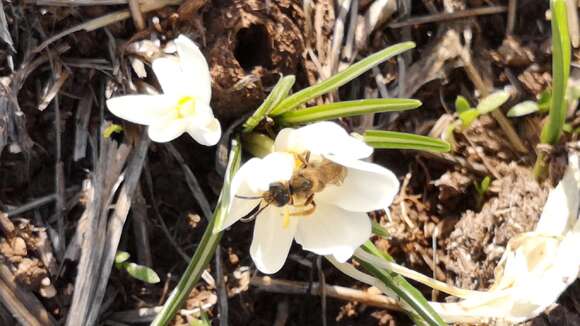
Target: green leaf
<point>121,257</point>
<point>484,186</point>
<point>552,130</point>
<point>523,108</point>
<point>379,229</point>
<point>199,322</point>
<point>560,72</point>
<point>567,128</point>
<point>449,133</point>
<point>573,92</point>
<point>467,117</point>
<point>142,273</point>
<point>206,247</point>
<point>257,144</point>
<point>346,109</point>
<point>340,78</point>
<point>402,288</point>
<point>545,100</point>
<point>111,129</point>
<point>461,104</point>
<point>400,140</point>
<point>492,102</point>
<point>276,96</point>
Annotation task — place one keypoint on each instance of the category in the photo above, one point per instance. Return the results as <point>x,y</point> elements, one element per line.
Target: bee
<point>310,178</point>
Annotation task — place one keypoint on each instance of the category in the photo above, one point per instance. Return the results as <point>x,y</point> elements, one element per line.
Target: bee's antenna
<point>249,197</point>
<point>253,213</point>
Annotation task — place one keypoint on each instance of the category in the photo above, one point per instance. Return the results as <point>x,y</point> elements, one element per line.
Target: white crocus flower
<point>184,105</point>
<point>331,222</point>
<point>536,268</point>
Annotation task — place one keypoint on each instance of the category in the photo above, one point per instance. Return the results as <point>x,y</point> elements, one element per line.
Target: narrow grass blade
<point>206,248</point>
<point>560,72</point>
<point>400,140</point>
<point>340,78</point>
<point>492,102</point>
<point>276,96</point>
<point>402,288</point>
<point>379,230</point>
<point>346,109</point>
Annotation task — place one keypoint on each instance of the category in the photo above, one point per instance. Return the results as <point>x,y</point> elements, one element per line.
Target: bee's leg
<point>304,158</point>
<point>308,211</point>
<point>307,157</point>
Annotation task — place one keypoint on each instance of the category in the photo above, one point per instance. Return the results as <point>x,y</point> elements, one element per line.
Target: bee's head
<point>279,194</point>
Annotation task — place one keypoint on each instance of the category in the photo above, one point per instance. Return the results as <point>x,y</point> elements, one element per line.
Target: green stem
<point>560,71</point>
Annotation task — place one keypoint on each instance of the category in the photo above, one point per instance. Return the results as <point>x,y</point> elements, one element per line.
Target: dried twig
<point>116,223</point>
<point>4,32</point>
<point>512,14</point>
<point>137,15</point>
<point>53,91</point>
<point>485,90</point>
<point>378,13</point>
<point>337,37</point>
<point>338,292</point>
<point>82,117</point>
<point>92,228</point>
<point>71,3</point>
<point>37,203</point>
<point>140,229</point>
<point>449,16</point>
<point>146,315</point>
<point>105,20</point>
<point>573,27</point>
<point>22,303</point>
<point>473,167</point>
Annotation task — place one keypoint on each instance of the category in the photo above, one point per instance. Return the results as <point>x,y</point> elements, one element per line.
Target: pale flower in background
<point>535,269</point>
<point>184,105</point>
<point>335,222</point>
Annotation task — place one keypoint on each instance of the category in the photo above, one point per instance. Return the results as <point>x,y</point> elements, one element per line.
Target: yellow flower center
<point>185,107</point>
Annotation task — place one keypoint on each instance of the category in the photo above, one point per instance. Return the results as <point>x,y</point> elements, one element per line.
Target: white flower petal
<point>275,167</point>
<point>325,138</point>
<point>272,240</point>
<point>253,179</point>
<point>186,74</point>
<point>331,230</point>
<point>141,109</point>
<point>171,77</point>
<point>366,187</point>
<point>165,130</point>
<point>208,135</point>
<point>195,67</point>
<point>240,207</point>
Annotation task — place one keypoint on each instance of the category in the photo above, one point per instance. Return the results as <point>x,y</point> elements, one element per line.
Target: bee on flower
<point>314,189</point>
<point>184,105</point>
